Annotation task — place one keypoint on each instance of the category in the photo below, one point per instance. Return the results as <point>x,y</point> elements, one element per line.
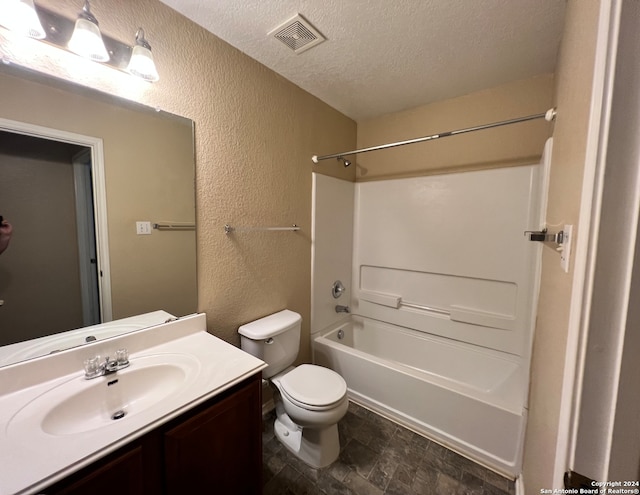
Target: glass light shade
<point>141,64</point>
<point>20,16</point>
<point>86,41</point>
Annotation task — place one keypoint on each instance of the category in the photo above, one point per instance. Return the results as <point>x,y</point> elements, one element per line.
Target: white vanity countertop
<point>20,351</point>
<point>31,459</point>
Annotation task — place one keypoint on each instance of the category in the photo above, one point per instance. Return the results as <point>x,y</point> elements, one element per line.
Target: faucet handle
<point>122,357</point>
<point>92,367</point>
<point>337,289</point>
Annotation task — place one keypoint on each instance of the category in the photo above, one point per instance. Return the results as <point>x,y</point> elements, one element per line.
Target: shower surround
<point>442,285</point>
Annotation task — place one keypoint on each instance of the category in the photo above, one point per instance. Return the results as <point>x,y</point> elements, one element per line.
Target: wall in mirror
<point>148,161</point>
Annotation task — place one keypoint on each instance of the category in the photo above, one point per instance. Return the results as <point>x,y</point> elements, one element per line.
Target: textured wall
<point>574,80</point>
<point>509,145</point>
<point>255,134</point>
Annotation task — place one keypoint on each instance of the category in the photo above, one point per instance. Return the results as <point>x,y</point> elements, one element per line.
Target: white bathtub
<point>465,397</point>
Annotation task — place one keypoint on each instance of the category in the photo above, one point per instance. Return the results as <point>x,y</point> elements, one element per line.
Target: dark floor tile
<point>272,446</point>
<point>348,427</point>
<point>425,481</point>
<point>359,457</point>
<point>378,443</point>
<point>382,423</point>
<point>447,485</point>
<point>472,485</point>
<point>493,490</point>
<point>266,474</point>
<point>273,463</point>
<point>369,433</point>
<point>438,450</point>
<point>304,486</point>
<point>329,485</point>
<point>352,421</point>
<point>403,434</point>
<point>421,442</point>
<point>434,461</point>
<point>397,488</point>
<point>356,409</point>
<point>465,465</point>
<point>383,471</point>
<point>361,486</point>
<point>496,480</point>
<point>344,435</point>
<point>377,457</point>
<point>282,482</point>
<point>339,470</point>
<point>406,473</point>
<point>404,450</point>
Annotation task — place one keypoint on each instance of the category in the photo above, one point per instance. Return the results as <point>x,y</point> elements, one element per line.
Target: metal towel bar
<point>174,226</point>
<point>228,229</point>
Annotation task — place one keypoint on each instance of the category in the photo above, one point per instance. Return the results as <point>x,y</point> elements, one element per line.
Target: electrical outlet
<point>143,228</point>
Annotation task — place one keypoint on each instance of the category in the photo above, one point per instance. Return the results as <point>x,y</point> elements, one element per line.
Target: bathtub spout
<point>342,309</point>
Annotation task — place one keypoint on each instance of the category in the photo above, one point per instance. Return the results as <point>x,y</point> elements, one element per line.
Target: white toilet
<point>312,399</point>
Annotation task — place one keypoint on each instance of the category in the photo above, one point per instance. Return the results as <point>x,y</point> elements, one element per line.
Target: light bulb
<point>141,63</point>
<point>20,16</point>
<point>86,39</point>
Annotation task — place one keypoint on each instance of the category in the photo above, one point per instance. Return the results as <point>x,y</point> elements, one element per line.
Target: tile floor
<point>377,457</point>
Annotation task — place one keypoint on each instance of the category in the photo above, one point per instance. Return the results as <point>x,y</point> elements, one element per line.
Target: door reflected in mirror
<point>78,255</point>
<point>47,196</point>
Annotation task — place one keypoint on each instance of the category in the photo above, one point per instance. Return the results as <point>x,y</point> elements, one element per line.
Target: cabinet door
<point>220,449</point>
<point>121,475</point>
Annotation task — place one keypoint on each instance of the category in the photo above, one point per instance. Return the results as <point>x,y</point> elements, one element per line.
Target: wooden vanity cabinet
<point>214,448</point>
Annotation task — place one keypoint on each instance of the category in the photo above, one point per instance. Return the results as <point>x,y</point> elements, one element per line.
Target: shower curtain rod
<point>549,115</point>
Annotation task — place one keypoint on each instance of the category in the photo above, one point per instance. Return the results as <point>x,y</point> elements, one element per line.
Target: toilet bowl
<point>310,399</point>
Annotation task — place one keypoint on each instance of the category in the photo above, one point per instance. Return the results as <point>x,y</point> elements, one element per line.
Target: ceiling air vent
<point>298,34</point>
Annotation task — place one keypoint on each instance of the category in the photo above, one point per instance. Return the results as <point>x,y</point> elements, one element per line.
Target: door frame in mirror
<point>99,197</point>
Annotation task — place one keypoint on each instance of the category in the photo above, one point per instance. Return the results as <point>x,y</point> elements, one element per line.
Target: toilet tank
<point>275,339</point>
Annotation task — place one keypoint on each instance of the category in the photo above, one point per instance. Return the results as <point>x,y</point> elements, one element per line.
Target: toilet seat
<point>313,387</point>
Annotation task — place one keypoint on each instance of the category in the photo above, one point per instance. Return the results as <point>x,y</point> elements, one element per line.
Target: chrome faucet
<point>93,367</point>
<point>342,309</point>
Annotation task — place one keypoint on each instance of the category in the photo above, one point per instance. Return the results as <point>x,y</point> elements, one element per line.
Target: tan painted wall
<point>574,80</point>
<point>149,175</point>
<point>255,135</point>
<point>509,145</point>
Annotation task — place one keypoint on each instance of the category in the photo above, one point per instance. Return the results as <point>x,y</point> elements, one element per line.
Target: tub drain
<point>340,334</point>
<point>118,415</point>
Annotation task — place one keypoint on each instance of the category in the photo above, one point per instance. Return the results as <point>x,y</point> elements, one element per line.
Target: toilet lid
<point>314,385</point>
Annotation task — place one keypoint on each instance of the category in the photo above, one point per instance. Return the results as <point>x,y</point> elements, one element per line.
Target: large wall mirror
<point>84,178</point>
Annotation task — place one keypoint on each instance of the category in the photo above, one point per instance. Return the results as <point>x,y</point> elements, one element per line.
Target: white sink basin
<point>79,405</point>
<point>53,422</point>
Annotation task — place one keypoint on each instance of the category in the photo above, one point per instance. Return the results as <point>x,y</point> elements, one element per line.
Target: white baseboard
<point>520,485</point>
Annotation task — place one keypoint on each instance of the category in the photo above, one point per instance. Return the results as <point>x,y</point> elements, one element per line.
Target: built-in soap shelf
<point>455,313</point>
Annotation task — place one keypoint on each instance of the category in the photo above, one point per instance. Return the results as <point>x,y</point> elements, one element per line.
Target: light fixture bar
<point>59,30</point>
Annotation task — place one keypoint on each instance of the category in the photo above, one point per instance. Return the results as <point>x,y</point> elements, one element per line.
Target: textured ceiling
<point>383,56</point>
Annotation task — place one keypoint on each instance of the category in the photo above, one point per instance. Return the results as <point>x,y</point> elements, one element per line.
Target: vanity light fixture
<point>81,36</point>
<point>20,16</point>
<point>86,39</point>
<point>141,63</point>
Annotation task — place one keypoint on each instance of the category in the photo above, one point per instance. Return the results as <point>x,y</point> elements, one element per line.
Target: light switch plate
<point>565,253</point>
<point>143,228</point>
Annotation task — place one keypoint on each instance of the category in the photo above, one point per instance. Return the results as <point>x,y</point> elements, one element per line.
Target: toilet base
<point>317,447</point>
